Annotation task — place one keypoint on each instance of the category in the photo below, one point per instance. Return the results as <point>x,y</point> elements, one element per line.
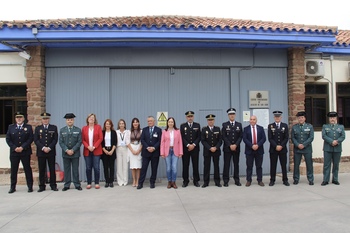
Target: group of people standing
<point>136,148</point>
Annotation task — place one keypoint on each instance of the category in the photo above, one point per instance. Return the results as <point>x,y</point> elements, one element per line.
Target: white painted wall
<point>12,71</point>
<point>336,70</point>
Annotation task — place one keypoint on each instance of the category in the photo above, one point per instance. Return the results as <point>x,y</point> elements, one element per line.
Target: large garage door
<point>143,92</point>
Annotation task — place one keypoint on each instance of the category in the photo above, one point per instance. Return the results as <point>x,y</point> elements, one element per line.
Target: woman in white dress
<point>134,151</point>
<point>123,139</point>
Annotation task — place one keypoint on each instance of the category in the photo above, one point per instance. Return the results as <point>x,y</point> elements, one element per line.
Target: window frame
<point>347,127</point>
<point>15,100</point>
<point>325,96</point>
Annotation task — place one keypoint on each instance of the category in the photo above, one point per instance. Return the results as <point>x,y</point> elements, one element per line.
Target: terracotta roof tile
<point>343,38</point>
<point>166,21</point>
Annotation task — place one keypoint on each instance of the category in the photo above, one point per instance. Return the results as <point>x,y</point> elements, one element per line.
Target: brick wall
<point>296,88</point>
<point>36,86</point>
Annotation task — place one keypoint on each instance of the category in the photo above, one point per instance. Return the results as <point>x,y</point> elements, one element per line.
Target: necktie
<point>19,127</point>
<point>150,130</point>
<point>190,125</point>
<point>278,125</point>
<point>69,129</point>
<point>254,135</point>
<point>232,124</point>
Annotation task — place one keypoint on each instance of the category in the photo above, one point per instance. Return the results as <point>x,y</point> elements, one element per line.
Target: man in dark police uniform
<point>19,137</point>
<point>232,134</point>
<point>45,139</point>
<point>191,136</point>
<point>211,140</point>
<point>278,136</point>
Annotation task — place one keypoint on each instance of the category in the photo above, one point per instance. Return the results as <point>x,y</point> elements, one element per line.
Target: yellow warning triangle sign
<point>162,117</point>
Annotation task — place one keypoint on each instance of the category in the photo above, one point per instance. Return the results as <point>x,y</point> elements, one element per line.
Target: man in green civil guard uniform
<point>333,135</point>
<point>302,136</point>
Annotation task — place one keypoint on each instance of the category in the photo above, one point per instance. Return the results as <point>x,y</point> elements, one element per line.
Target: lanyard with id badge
<point>122,136</point>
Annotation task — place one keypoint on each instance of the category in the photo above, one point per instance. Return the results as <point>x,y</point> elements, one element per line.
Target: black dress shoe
<point>106,185</point>
<point>111,185</point>
<point>295,182</point>
<point>140,186</point>
<point>184,184</point>
<point>218,185</point>
<point>30,190</point>
<point>238,183</point>
<point>12,191</point>
<point>335,182</point>
<point>311,183</point>
<point>78,188</point>
<point>272,183</point>
<point>205,185</point>
<point>152,186</point>
<point>54,189</point>
<point>286,183</point>
<point>66,188</point>
<point>40,190</point>
<point>196,184</point>
<point>225,184</point>
<point>324,183</point>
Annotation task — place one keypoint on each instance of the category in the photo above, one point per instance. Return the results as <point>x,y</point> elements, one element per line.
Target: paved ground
<point>298,208</point>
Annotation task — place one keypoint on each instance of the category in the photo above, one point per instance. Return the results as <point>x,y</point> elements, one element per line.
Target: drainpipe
<point>332,84</point>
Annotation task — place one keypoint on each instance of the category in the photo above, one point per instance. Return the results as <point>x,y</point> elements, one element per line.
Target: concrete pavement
<point>298,208</point>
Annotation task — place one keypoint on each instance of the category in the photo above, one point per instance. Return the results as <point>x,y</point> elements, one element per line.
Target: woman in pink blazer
<point>171,150</point>
<point>92,138</point>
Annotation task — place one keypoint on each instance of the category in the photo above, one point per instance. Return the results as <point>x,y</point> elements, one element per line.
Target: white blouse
<point>108,138</point>
<point>91,137</point>
<point>123,137</point>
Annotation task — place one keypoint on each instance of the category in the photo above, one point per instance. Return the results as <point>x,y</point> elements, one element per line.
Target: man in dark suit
<point>19,137</point>
<point>254,139</point>
<point>45,139</point>
<point>191,136</point>
<point>278,135</point>
<point>150,140</point>
<point>232,134</point>
<point>211,140</point>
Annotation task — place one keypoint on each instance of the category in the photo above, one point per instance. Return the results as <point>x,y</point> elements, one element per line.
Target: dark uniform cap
<point>45,115</point>
<point>277,113</point>
<point>19,114</point>
<point>210,117</point>
<point>301,114</point>
<point>231,111</point>
<point>189,113</point>
<point>332,114</point>
<point>69,116</point>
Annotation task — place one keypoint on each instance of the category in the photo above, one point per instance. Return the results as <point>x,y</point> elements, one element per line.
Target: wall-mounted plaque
<point>259,99</point>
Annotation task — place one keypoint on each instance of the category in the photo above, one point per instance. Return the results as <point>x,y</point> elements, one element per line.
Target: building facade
<point>139,66</point>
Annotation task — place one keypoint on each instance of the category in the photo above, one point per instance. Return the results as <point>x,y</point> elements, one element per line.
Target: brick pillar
<point>296,89</point>
<point>36,89</point>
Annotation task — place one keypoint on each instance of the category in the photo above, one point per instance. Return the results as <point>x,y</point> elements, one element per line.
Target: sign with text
<point>259,99</point>
<point>162,119</point>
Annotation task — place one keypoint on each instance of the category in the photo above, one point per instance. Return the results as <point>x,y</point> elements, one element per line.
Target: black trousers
<point>194,156</point>
<point>108,167</point>
<point>207,163</point>
<point>25,159</point>
<point>227,162</point>
<point>258,164</point>
<point>273,165</point>
<point>51,160</point>
<point>154,165</point>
